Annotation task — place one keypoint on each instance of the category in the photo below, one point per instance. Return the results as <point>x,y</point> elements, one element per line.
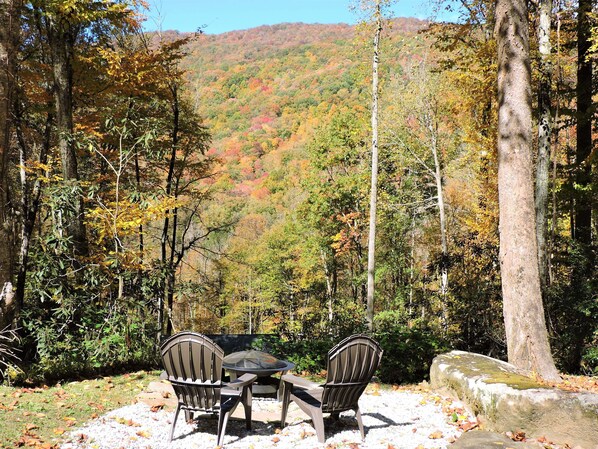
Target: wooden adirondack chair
<point>351,365</point>
<point>193,364</point>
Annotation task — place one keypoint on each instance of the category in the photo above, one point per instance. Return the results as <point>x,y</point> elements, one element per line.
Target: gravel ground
<point>393,420</point>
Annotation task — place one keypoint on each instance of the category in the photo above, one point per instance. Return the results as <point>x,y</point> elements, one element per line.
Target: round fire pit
<point>261,364</point>
<point>255,362</point>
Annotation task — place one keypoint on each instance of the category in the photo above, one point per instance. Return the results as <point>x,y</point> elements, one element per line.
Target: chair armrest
<point>299,381</point>
<point>243,381</point>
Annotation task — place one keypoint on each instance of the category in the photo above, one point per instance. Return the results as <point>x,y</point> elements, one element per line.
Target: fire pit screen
<point>255,362</point>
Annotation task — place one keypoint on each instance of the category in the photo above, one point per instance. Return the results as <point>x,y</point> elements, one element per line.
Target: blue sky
<point>220,16</point>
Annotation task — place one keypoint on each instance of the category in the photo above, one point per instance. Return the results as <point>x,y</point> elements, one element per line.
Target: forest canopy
<point>156,182</point>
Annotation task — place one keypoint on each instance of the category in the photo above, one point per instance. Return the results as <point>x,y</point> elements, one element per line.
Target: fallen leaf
<point>435,435</point>
<point>31,426</point>
<point>518,436</point>
<point>165,394</point>
<point>467,426</point>
<point>59,431</point>
<point>143,434</point>
<point>275,440</point>
<point>157,407</point>
<point>70,421</point>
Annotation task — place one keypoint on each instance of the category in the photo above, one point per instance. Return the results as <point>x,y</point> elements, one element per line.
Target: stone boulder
<point>506,400</point>
<point>482,439</point>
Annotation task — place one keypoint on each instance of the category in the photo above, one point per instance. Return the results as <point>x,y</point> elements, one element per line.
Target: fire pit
<point>260,363</point>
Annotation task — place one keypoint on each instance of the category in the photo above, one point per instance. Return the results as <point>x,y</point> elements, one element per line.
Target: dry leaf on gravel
<point>435,435</point>
<point>467,426</point>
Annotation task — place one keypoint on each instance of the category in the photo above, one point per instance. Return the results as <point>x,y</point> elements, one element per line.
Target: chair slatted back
<point>351,365</point>
<point>193,364</point>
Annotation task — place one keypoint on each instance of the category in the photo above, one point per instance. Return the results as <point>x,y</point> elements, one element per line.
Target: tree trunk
<point>9,32</point>
<point>374,179</point>
<point>432,128</point>
<point>62,41</point>
<point>544,135</point>
<point>168,258</point>
<point>525,326</point>
<point>583,206</point>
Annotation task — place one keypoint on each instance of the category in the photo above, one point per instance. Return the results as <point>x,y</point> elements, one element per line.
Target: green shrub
<point>408,353</point>
<point>308,354</point>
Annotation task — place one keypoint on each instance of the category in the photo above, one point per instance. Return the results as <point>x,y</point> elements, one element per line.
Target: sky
<point>219,16</point>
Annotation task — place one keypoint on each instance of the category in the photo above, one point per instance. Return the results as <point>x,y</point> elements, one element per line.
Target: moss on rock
<point>506,399</point>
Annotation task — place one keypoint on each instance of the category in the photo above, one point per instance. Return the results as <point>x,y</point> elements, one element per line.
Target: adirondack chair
<point>351,365</point>
<point>193,364</point>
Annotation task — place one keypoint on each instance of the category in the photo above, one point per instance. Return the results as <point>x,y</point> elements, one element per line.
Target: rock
<point>507,400</point>
<point>482,439</point>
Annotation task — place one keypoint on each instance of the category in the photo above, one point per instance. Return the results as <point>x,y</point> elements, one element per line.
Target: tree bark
<point>62,40</point>
<point>432,129</point>
<point>374,178</point>
<point>525,326</point>
<point>544,138</point>
<point>9,32</point>
<point>583,206</point>
<point>168,257</point>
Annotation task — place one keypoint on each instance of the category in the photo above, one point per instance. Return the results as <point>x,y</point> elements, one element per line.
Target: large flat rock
<point>482,439</point>
<point>506,400</point>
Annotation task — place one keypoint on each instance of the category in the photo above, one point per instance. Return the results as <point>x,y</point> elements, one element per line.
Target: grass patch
<point>42,417</point>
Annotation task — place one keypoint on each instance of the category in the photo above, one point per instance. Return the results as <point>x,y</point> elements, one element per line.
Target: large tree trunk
<point>527,338</point>
<point>544,134</point>
<point>9,32</point>
<point>62,41</point>
<point>374,178</point>
<point>583,207</point>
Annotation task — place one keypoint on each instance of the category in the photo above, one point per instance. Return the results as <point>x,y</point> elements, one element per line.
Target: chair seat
<point>310,397</point>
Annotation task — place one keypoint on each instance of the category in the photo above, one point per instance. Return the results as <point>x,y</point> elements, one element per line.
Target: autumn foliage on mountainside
<point>223,185</point>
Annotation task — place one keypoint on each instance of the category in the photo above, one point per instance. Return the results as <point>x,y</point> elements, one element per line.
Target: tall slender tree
<point>544,136</point>
<point>525,326</point>
<point>374,175</point>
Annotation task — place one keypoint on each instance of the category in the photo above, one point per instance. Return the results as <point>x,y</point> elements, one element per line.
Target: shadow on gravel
<point>386,420</point>
<point>208,425</point>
